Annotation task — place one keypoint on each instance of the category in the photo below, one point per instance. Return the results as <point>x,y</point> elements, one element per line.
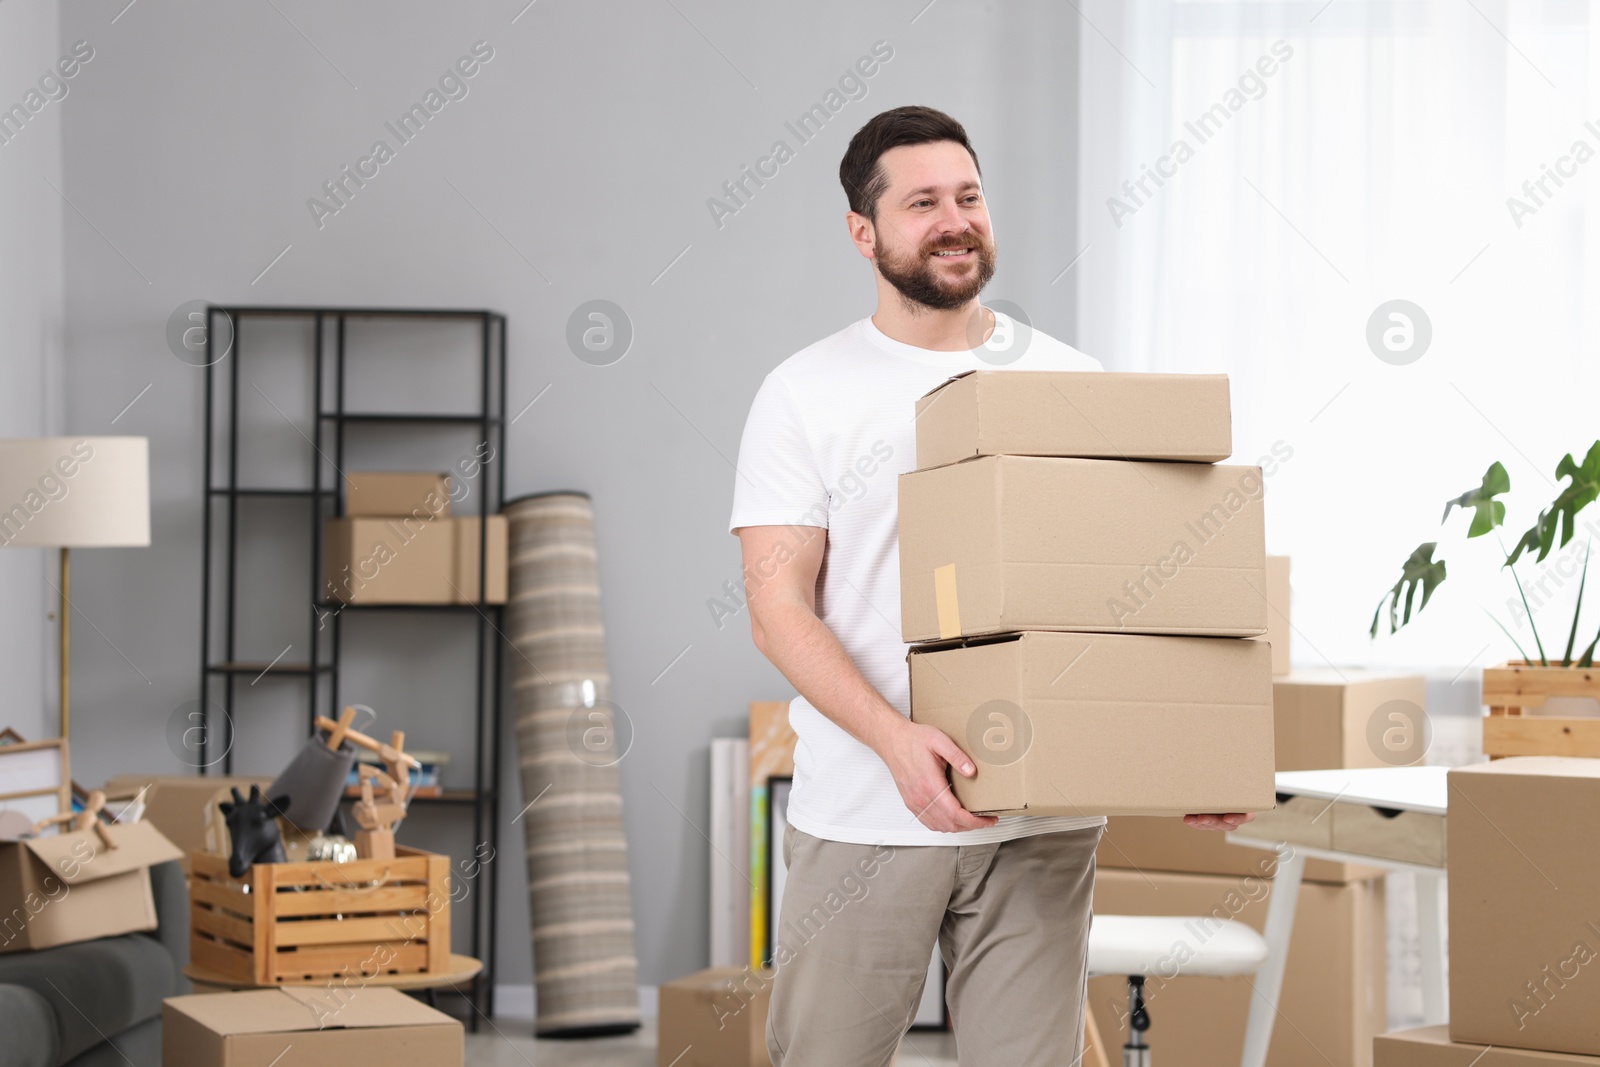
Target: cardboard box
<point>176,804</point>
<point>327,1026</point>
<point>1321,719</point>
<point>389,561</point>
<point>1431,1047</point>
<point>1279,632</point>
<point>1334,987</point>
<point>465,577</point>
<point>1000,544</point>
<point>1091,414</point>
<point>1524,909</point>
<point>715,1018</point>
<point>1348,718</point>
<point>1103,724</point>
<point>387,494</point>
<point>62,888</point>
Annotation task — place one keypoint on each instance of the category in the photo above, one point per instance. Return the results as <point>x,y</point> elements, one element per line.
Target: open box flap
<point>947,381</point>
<point>83,856</point>
<point>292,1009</point>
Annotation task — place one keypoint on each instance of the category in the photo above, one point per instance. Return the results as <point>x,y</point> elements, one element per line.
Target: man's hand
<point>1230,821</point>
<point>917,755</point>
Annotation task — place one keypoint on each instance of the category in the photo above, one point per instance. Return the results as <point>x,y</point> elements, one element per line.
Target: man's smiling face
<point>931,240</point>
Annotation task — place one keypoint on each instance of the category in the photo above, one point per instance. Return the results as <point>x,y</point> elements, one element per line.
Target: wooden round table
<point>460,970</point>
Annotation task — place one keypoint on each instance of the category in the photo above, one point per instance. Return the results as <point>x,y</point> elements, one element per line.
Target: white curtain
<point>1357,153</point>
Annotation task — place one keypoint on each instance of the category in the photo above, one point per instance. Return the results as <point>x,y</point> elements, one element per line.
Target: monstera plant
<point>1553,528</point>
<point>1527,684</point>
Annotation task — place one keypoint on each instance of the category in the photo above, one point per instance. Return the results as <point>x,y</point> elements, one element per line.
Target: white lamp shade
<point>75,491</point>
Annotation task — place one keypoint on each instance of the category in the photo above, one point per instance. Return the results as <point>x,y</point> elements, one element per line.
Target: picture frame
<point>34,776</point>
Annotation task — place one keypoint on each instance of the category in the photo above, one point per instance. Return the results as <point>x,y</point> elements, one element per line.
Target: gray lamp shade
<point>75,491</point>
<point>314,783</point>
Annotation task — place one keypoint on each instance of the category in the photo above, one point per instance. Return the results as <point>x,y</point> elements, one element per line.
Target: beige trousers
<point>858,924</point>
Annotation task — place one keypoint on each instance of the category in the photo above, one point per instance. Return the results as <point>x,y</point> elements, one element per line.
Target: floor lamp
<point>73,492</point>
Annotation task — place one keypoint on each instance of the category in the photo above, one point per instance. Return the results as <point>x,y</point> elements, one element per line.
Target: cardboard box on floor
<point>326,1027</point>
<point>1103,724</point>
<point>385,494</point>
<point>714,1018</point>
<point>176,804</point>
<point>1334,992</point>
<point>1431,1047</point>
<point>1321,718</point>
<point>61,888</point>
<point>1524,909</point>
<point>1090,414</point>
<point>1000,544</point>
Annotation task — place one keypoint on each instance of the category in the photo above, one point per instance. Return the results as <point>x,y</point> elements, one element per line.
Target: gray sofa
<point>97,1003</point>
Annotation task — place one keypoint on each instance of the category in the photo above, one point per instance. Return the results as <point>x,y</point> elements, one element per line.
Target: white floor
<point>510,1043</point>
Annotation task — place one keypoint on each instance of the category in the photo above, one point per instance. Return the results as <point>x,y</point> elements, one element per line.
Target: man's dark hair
<point>861,173</point>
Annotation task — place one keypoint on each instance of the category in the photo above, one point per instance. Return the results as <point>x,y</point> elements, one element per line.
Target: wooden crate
<point>1513,687</point>
<point>294,923</point>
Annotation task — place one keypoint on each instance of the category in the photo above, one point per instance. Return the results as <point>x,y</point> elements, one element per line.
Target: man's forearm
<point>809,654</point>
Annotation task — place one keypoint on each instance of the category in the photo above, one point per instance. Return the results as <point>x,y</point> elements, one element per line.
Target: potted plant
<point>1514,686</point>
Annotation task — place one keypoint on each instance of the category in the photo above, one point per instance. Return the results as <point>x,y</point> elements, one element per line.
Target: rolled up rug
<point>580,900</point>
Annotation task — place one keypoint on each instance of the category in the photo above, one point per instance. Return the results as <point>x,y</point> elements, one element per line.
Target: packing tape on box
<point>944,600</point>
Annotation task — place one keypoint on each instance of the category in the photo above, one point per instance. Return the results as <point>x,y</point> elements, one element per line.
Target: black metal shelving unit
<point>220,674</point>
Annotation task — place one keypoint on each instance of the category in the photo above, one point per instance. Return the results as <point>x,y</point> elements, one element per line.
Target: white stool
<point>1167,946</point>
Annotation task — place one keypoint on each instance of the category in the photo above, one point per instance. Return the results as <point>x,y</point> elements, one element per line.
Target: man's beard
<point>916,275</point>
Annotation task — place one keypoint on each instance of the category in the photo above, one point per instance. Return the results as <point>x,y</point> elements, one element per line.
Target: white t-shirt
<point>829,433</point>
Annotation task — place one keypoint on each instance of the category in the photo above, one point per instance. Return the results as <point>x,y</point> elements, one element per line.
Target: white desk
<point>1420,789</point>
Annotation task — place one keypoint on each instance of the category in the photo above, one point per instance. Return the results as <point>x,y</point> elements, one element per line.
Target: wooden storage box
<point>291,923</point>
<point>1517,686</point>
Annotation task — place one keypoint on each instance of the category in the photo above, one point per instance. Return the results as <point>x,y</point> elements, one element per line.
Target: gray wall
<point>577,167</point>
<point>31,324</point>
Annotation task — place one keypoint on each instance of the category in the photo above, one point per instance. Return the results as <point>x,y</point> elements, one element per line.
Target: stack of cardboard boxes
<point>1045,566</point>
<point>1523,854</point>
<point>397,543</point>
<point>1335,985</point>
<point>1334,994</point>
<point>1075,568</point>
<point>1333,1000</point>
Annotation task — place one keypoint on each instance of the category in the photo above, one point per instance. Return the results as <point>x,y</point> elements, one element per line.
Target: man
<point>883,862</point>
